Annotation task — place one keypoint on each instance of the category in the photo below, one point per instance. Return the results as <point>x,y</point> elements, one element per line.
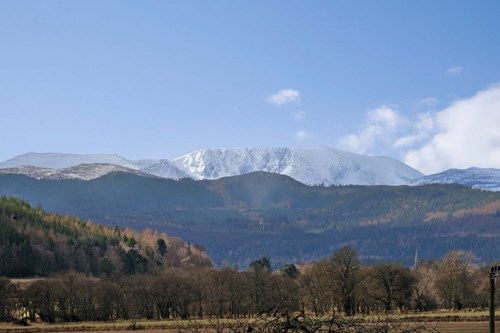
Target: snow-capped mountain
<point>81,171</point>
<point>486,179</point>
<point>60,161</point>
<point>310,166</point>
<point>57,165</point>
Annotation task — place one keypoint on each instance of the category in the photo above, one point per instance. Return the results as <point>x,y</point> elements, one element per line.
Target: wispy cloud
<point>299,115</point>
<point>428,101</point>
<point>455,70</point>
<point>465,134</point>
<point>420,130</point>
<point>303,135</point>
<point>283,96</point>
<point>382,123</point>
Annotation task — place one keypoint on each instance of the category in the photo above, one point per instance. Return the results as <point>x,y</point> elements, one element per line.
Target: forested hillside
<point>238,219</point>
<point>36,243</point>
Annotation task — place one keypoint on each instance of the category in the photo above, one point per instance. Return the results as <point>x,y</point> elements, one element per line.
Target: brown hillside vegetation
<point>36,243</point>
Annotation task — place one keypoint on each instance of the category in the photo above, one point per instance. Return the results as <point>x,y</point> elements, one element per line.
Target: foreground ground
<point>444,322</point>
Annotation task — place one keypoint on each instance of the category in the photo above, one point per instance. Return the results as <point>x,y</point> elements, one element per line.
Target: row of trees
<point>334,285</point>
<point>454,282</point>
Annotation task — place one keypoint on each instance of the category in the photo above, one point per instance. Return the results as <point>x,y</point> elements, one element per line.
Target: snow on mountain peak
<point>61,165</point>
<point>224,162</point>
<point>82,171</point>
<point>60,161</point>
<point>486,179</point>
<point>310,166</point>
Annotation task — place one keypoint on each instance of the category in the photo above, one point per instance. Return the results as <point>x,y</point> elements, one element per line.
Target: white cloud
<point>384,116</point>
<point>299,115</point>
<point>422,129</point>
<point>455,70</point>
<point>465,134</point>
<point>382,124</point>
<point>284,96</point>
<point>303,135</point>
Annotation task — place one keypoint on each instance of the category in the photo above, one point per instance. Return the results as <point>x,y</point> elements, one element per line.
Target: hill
<point>239,219</point>
<point>36,243</point>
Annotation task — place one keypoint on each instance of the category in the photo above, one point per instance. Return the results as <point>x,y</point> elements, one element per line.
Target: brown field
<point>444,322</point>
<point>464,326</point>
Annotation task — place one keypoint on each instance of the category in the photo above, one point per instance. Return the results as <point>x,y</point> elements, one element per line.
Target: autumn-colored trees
<point>36,243</point>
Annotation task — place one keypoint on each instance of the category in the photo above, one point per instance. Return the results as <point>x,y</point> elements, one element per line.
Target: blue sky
<point>414,80</point>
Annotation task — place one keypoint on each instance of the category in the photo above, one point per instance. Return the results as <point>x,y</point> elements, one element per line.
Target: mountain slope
<point>324,166</point>
<point>60,161</point>
<point>310,166</point>
<point>81,171</point>
<point>76,166</point>
<point>486,179</point>
<point>164,169</point>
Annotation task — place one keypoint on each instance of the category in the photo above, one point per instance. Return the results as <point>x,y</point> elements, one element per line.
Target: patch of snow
<point>164,169</point>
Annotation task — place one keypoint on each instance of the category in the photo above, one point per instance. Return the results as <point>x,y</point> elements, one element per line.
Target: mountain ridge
<point>81,171</point>
<point>315,166</point>
<point>480,178</point>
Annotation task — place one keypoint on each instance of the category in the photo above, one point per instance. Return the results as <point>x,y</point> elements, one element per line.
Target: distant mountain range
<point>485,179</point>
<point>319,166</point>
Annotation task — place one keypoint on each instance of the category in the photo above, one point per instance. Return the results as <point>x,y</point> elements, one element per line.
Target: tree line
<point>339,284</point>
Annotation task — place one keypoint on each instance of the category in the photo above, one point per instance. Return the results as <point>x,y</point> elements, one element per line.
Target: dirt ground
<point>453,326</point>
